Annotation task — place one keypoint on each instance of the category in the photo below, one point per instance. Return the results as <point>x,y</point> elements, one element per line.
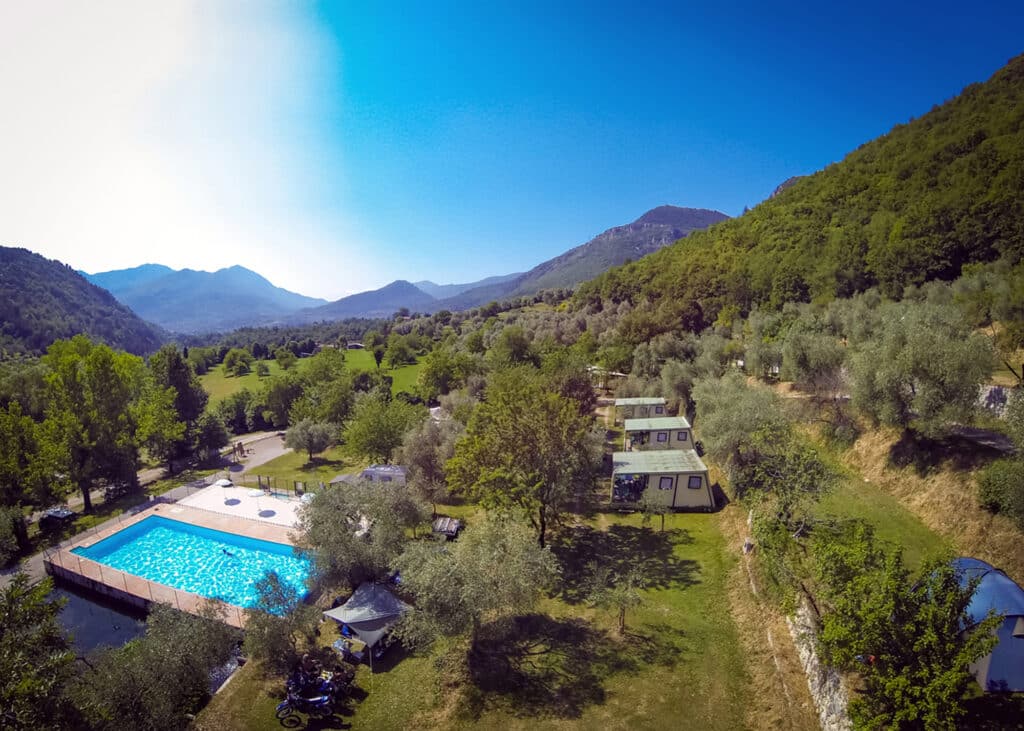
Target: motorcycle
<point>322,705</point>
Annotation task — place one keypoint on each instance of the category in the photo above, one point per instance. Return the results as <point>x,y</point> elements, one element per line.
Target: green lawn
<point>679,666</point>
<point>856,498</point>
<point>221,385</point>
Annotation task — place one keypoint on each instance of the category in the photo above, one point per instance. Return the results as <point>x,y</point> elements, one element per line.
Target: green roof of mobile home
<point>658,422</point>
<point>664,460</point>
<point>640,401</point>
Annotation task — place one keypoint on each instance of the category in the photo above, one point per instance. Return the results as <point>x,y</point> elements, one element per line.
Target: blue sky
<point>336,147</point>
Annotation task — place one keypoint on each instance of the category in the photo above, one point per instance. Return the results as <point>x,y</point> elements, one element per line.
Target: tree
<point>211,435</point>
<point>285,358</point>
<point>93,398</point>
<point>262,369</point>
<point>905,636</point>
<point>310,436</point>
<point>237,362</point>
<point>279,394</point>
<point>442,371</point>
<point>567,374</point>
<point>157,681</point>
<point>377,427</point>
<point>24,475</point>
<point>730,413</point>
<point>356,531</point>
<point>35,657</point>
<point>425,450</point>
<point>398,352</point>
<point>526,447</point>
<point>159,428</point>
<point>513,347</point>
<point>618,592</point>
<point>495,569</point>
<point>279,620</point>
<point>923,371</point>
<point>170,369</point>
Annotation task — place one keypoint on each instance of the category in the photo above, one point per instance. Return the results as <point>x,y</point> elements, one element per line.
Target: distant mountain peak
<point>679,216</point>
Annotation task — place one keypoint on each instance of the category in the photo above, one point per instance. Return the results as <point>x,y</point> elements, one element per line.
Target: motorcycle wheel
<point>284,710</point>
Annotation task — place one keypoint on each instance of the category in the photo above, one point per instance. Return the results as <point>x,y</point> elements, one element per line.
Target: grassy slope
<point>857,497</point>
<point>220,385</point>
<point>679,667</point>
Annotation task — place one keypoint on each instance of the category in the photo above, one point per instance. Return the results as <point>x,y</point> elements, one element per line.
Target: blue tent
<point>1003,670</point>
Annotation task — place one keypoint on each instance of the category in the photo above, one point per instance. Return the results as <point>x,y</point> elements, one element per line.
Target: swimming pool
<point>199,560</point>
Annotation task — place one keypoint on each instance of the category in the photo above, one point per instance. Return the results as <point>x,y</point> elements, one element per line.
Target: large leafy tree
<point>96,399</point>
<point>170,369</point>
<point>526,446</point>
<point>495,569</point>
<point>35,657</point>
<point>310,436</point>
<point>905,635</point>
<point>356,531</point>
<point>378,426</point>
<point>24,478</point>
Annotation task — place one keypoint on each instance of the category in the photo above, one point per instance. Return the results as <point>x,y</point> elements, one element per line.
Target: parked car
<point>56,517</point>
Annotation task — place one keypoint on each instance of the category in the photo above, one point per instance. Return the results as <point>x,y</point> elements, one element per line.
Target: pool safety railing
<point>130,589</point>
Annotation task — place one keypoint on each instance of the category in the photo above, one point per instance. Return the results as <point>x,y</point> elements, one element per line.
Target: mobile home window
<point>681,436</point>
<point>666,483</point>
<point>694,482</point>
<point>662,436</point>
<point>659,409</point>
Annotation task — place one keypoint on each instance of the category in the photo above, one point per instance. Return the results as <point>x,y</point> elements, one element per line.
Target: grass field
<point>679,665</point>
<point>221,385</point>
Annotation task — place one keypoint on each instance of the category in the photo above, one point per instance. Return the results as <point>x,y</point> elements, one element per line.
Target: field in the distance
<point>220,385</point>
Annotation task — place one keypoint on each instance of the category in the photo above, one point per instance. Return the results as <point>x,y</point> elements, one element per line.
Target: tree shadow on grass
<point>318,462</point>
<point>538,666</point>
<point>623,548</point>
<point>963,449</point>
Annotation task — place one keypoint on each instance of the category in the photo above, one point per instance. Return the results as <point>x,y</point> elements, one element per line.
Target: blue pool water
<point>199,560</point>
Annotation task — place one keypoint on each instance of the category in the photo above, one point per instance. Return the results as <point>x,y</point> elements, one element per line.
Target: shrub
<point>1001,489</point>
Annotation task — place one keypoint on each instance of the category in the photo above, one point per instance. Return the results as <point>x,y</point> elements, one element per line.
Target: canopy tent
<point>1003,669</point>
<point>370,612</point>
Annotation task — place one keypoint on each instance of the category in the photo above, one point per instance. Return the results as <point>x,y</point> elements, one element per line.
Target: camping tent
<point>1003,670</point>
<point>370,612</point>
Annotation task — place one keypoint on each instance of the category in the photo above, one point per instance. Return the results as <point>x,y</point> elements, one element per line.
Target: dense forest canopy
<point>43,300</point>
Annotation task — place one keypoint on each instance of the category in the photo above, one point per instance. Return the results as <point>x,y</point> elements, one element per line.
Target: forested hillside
<point>43,300</point>
<point>916,204</point>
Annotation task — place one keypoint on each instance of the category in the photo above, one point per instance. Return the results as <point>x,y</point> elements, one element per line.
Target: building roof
<point>659,422</point>
<point>641,401</point>
<point>662,460</point>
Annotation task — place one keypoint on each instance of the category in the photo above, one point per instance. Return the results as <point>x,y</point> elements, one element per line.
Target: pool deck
<point>140,592</point>
<point>244,502</point>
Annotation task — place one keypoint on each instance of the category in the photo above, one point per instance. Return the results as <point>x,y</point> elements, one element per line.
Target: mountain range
<point>653,230</point>
<point>189,301</point>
